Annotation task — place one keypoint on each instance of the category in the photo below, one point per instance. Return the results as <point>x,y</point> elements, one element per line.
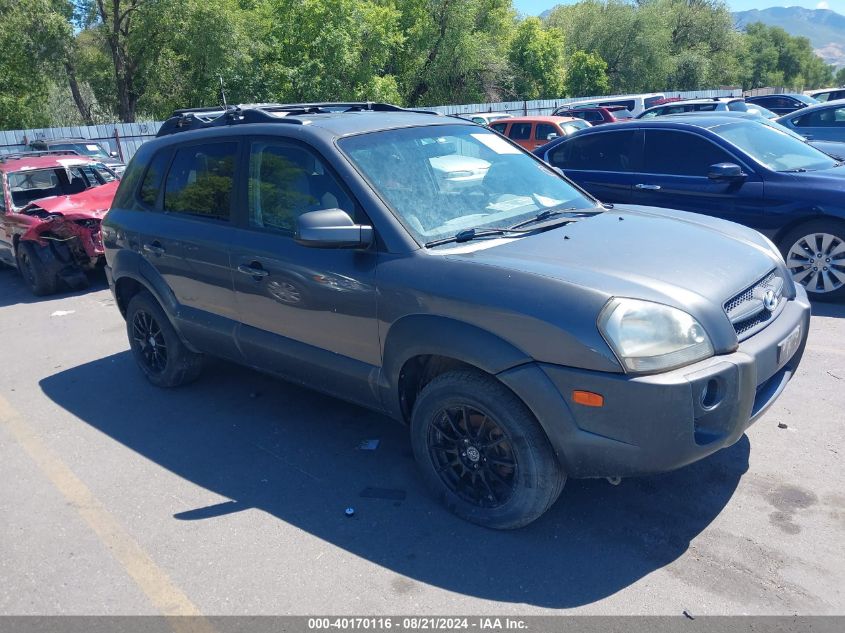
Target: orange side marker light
<point>588,398</point>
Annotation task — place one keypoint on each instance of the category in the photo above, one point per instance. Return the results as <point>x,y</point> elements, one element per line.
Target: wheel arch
<point>420,347</point>
<point>838,219</point>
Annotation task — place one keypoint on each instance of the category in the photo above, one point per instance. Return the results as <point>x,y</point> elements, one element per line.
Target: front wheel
<point>482,452</point>
<point>157,347</point>
<point>40,280</point>
<point>815,255</point>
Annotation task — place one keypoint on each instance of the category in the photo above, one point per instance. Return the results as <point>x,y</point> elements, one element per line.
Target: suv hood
<point>690,261</point>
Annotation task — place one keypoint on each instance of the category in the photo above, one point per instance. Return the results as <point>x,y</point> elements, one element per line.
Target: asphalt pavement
<point>228,496</point>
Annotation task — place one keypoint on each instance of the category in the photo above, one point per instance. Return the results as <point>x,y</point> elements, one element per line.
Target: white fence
<point>546,106</point>
<point>125,138</point>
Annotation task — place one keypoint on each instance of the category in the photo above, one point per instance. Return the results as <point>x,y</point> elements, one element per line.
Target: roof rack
<point>188,119</point>
<point>18,155</point>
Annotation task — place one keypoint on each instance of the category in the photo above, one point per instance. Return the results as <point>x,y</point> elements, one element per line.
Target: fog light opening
<point>711,394</point>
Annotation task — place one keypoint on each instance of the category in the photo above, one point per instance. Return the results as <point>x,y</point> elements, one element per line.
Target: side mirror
<point>725,171</point>
<point>331,228</point>
<point>552,136</point>
<point>114,154</point>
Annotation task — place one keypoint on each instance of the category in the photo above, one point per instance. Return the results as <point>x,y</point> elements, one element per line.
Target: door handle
<point>154,249</point>
<point>648,187</point>
<point>252,270</point>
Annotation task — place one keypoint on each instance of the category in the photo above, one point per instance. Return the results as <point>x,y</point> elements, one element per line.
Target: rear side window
<point>680,154</point>
<point>608,151</point>
<point>592,115</point>
<point>200,180</point>
<point>543,131</point>
<point>520,131</point>
<point>499,127</point>
<point>151,184</point>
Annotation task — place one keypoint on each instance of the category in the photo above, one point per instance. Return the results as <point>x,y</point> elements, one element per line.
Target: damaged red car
<point>51,207</point>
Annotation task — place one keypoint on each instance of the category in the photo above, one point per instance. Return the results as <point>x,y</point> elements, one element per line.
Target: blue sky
<point>535,7</point>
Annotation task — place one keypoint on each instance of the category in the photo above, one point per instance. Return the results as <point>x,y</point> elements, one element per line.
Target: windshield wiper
<point>471,234</point>
<point>545,214</point>
<point>797,170</point>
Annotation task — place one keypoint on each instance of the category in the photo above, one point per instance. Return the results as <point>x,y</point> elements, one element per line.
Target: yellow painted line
<point>150,578</point>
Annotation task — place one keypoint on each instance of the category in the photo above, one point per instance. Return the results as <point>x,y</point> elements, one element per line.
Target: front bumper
<point>661,422</point>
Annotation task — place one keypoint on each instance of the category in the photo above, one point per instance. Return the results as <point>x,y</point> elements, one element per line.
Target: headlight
<point>649,337</point>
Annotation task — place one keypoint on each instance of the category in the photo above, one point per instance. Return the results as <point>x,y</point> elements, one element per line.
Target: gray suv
<point>524,331</point>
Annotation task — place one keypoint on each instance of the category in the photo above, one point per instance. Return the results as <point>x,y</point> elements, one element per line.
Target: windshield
<point>806,99</point>
<point>83,149</point>
<point>439,180</point>
<point>34,184</point>
<point>570,127</point>
<point>773,148</point>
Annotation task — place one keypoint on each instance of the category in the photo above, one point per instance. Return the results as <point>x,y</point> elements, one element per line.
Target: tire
<point>823,277</point>
<point>40,280</point>
<point>156,346</point>
<point>505,447</point>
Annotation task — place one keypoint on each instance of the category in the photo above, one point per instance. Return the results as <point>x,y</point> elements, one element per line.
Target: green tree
<point>631,39</point>
<point>537,58</point>
<point>586,75</point>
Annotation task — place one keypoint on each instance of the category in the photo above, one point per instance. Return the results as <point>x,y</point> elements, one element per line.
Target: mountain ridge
<point>823,27</point>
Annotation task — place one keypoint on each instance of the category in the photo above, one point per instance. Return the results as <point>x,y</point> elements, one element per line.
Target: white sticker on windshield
<point>92,148</point>
<point>496,143</point>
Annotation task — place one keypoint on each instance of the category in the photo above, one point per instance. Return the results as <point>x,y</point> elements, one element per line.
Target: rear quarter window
<point>148,192</point>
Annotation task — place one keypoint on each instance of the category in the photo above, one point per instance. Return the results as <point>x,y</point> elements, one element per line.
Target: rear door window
<point>201,180</point>
<point>680,154</point>
<point>607,151</point>
<point>829,117</point>
<point>520,131</point>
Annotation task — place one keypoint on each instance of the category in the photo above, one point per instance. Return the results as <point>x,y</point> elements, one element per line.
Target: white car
<point>486,118</point>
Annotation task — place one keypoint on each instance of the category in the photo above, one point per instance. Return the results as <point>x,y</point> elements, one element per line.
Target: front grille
<point>748,311</point>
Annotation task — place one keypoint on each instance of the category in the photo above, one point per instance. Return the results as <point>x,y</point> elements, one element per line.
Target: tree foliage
<point>90,61</point>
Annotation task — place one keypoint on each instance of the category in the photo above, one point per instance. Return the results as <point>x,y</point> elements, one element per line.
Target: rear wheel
<point>482,452</point>
<point>40,280</point>
<point>157,347</point>
<point>815,255</point>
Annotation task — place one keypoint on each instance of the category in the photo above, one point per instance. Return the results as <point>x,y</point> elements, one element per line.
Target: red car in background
<point>596,115</point>
<point>531,132</point>
<point>51,206</point>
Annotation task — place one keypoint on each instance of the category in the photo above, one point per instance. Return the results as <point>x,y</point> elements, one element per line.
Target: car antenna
<point>223,93</point>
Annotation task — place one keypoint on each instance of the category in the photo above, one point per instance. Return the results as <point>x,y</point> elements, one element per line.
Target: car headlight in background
<point>650,337</point>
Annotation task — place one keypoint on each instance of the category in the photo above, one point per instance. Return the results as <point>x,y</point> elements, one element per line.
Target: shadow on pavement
<point>831,309</point>
<point>293,453</point>
<point>14,291</point>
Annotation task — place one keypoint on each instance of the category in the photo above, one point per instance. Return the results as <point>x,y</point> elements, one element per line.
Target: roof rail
<point>17,155</point>
<point>188,119</point>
